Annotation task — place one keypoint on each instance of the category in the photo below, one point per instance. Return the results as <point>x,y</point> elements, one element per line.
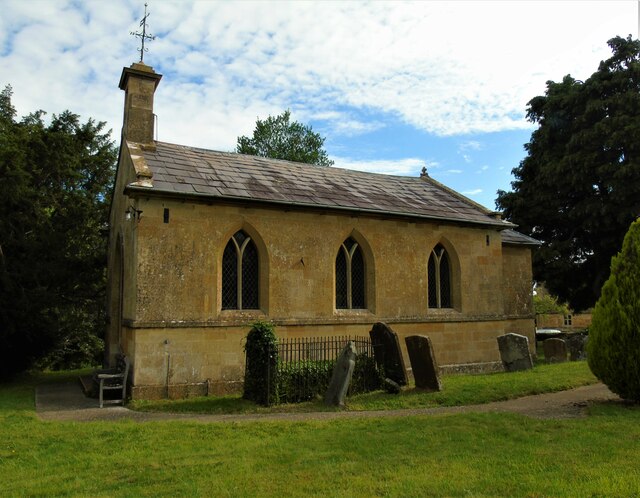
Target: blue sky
<point>393,86</point>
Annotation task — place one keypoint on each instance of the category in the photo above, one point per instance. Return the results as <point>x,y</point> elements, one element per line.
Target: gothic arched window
<point>240,276</point>
<point>350,276</point>
<point>439,278</point>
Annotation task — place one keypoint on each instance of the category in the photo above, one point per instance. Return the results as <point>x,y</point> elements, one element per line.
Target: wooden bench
<point>113,379</point>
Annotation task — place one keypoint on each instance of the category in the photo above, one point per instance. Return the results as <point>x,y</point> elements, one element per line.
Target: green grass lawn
<point>457,390</point>
<point>444,455</point>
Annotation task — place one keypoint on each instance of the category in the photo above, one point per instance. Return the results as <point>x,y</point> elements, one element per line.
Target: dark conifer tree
<point>55,186</point>
<point>578,188</point>
<point>613,350</point>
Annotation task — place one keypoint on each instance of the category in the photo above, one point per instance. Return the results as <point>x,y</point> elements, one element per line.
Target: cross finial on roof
<point>143,36</point>
<point>424,173</point>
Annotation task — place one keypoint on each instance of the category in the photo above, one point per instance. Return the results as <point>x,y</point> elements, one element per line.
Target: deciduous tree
<point>279,138</point>
<point>578,188</point>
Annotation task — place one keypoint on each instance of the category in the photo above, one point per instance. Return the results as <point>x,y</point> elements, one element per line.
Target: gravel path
<point>67,402</point>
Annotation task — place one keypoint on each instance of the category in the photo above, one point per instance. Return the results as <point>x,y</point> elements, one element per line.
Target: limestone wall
<point>180,362</point>
<point>576,321</point>
<point>121,267</point>
<point>517,283</point>
<point>182,343</point>
<point>179,278</point>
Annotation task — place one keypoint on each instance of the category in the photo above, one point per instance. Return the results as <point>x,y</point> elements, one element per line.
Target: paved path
<point>67,402</point>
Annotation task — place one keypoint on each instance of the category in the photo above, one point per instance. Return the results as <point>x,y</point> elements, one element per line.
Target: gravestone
<point>577,346</point>
<point>390,386</point>
<point>341,378</point>
<point>387,353</point>
<point>514,352</point>
<point>423,362</point>
<point>555,350</point>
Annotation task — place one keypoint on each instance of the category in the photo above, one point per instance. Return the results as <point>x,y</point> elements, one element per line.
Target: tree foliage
<point>546,304</point>
<point>577,188</point>
<point>279,138</point>
<point>614,336</point>
<point>261,350</point>
<point>54,199</point>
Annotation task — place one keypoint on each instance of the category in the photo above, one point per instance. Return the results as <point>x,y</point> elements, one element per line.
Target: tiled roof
<point>516,238</point>
<point>180,170</point>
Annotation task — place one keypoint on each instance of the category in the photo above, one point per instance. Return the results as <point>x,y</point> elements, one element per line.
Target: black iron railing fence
<point>305,365</point>
<point>294,350</point>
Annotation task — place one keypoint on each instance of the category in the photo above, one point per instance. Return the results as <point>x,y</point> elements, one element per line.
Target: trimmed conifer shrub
<point>613,350</point>
<point>261,351</point>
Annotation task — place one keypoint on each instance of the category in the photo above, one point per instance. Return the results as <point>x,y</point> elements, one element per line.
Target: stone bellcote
<point>139,83</point>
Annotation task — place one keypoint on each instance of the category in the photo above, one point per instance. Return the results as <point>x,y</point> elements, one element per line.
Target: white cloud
<point>472,192</point>
<point>340,123</point>
<point>351,127</point>
<point>431,164</point>
<point>444,67</point>
<point>470,145</point>
<point>401,167</point>
<point>454,171</point>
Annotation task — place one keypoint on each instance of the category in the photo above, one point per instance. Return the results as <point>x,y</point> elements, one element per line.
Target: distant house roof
<point>512,237</point>
<point>198,173</point>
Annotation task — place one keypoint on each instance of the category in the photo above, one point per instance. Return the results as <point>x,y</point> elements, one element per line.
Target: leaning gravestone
<point>577,346</point>
<point>387,353</point>
<point>341,378</point>
<point>391,387</point>
<point>423,362</point>
<point>555,350</point>
<point>514,352</point>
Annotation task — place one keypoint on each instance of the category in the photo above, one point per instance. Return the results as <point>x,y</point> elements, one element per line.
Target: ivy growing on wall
<point>261,351</point>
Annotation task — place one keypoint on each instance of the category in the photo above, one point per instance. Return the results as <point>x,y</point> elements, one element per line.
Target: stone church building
<point>204,243</point>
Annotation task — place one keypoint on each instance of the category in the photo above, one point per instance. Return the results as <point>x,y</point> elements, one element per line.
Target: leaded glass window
<point>240,274</point>
<point>439,278</point>
<point>350,276</point>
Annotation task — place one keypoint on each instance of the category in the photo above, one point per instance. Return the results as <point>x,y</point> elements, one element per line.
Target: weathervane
<point>143,36</point>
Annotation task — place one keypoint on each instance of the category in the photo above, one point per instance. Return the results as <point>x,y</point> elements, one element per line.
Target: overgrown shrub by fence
<point>295,370</point>
<point>261,356</point>
<point>305,366</point>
